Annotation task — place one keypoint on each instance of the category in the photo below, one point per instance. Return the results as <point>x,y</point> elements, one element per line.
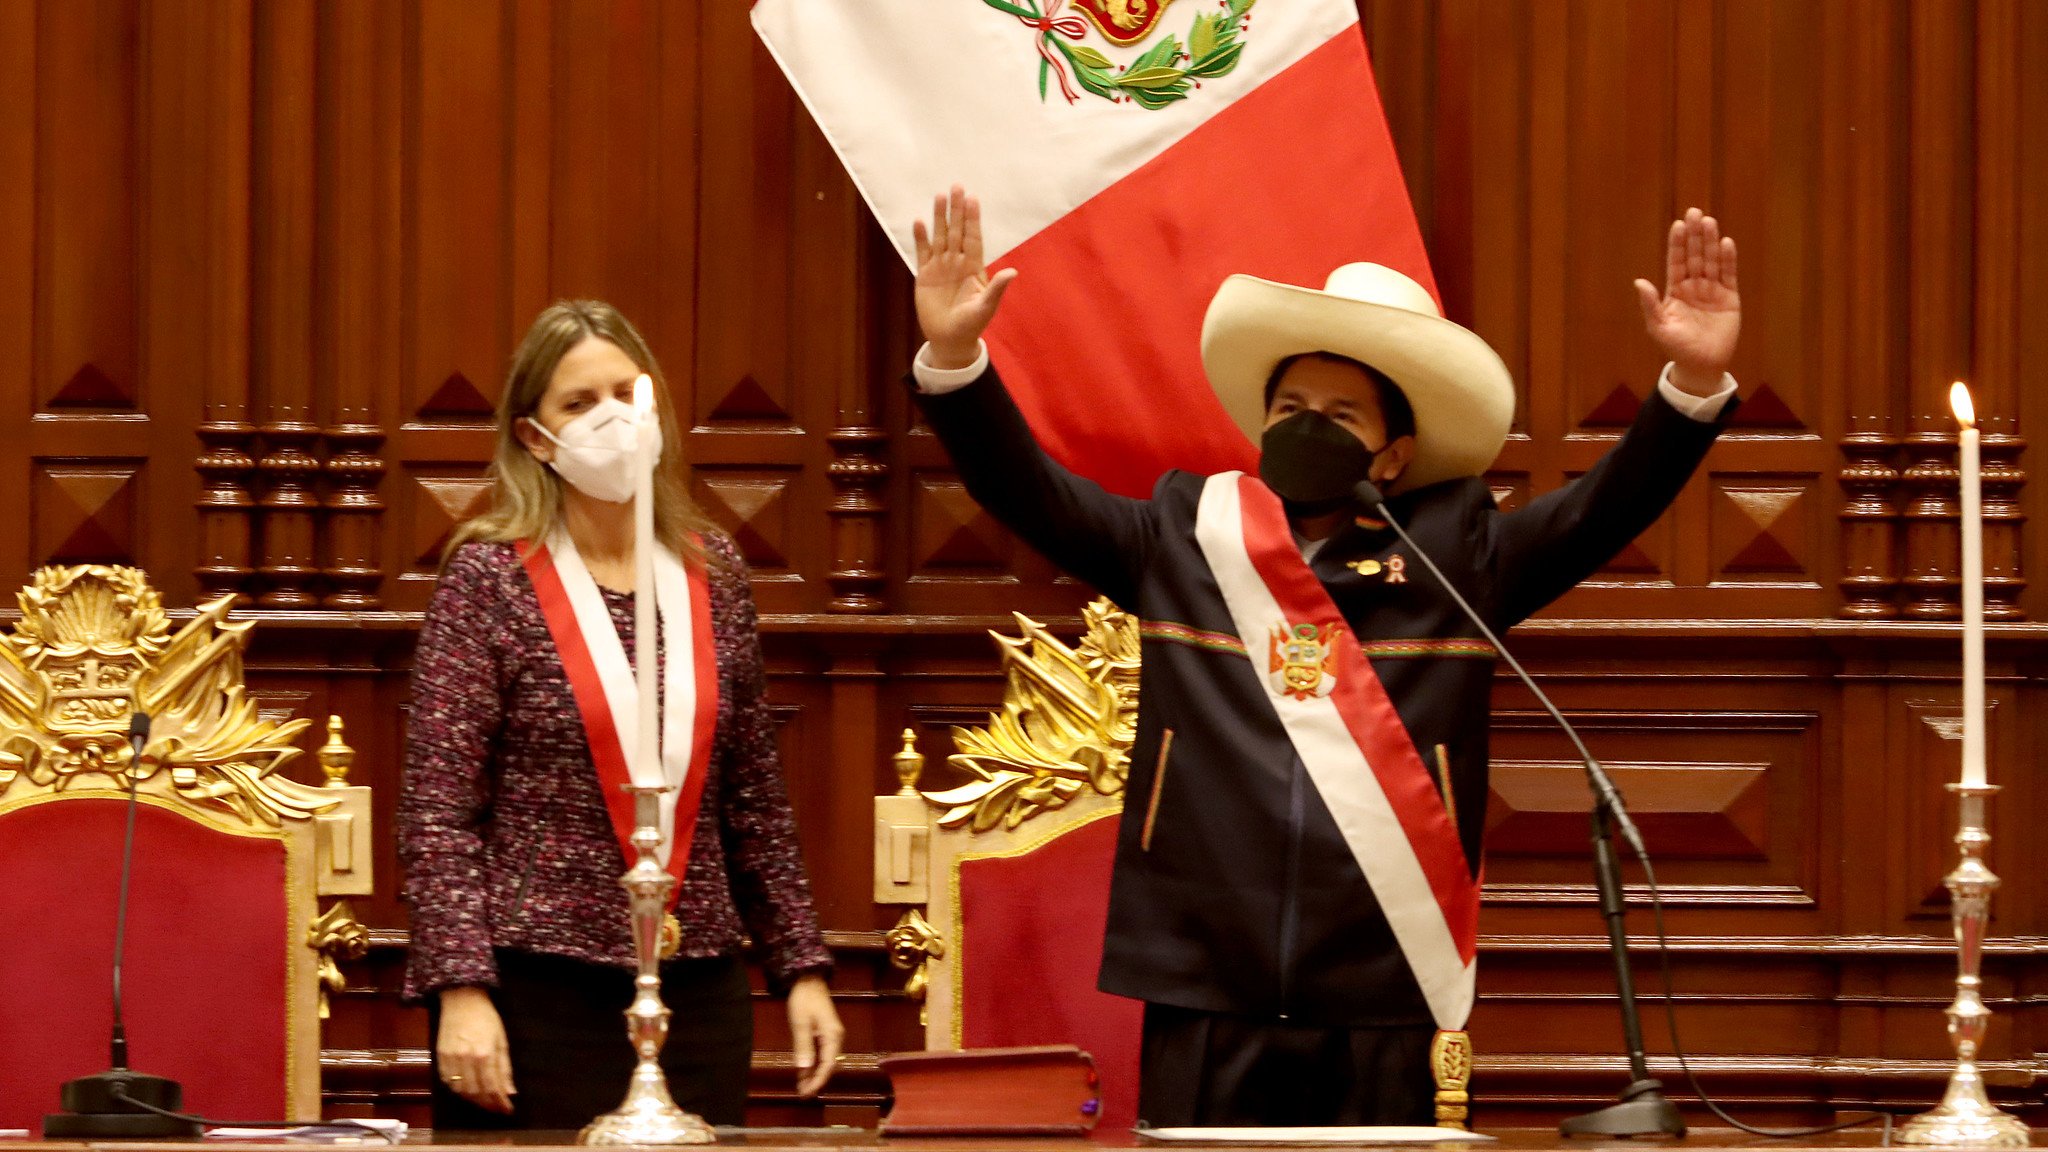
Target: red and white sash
<point>1343,725</point>
<point>601,679</point>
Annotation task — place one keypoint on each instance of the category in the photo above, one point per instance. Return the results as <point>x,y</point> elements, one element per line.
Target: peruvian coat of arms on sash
<point>1301,660</point>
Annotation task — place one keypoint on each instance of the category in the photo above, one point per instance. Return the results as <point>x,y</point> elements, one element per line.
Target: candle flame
<point>643,394</point>
<point>1959,403</point>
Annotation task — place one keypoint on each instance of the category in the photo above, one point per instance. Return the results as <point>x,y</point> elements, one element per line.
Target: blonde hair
<point>526,495</point>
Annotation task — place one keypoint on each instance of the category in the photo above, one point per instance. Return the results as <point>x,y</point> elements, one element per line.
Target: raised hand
<point>1699,315</point>
<point>956,297</point>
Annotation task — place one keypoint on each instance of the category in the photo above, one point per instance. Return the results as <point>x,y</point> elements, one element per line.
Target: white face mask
<point>595,451</point>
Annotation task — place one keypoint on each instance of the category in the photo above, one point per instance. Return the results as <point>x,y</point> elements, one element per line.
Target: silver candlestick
<point>649,1116</point>
<point>1965,1117</point>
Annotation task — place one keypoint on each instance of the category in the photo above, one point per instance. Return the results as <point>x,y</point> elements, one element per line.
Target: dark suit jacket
<point>1249,901</point>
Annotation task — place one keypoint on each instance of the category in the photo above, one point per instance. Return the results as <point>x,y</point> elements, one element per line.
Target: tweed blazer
<point>502,825</point>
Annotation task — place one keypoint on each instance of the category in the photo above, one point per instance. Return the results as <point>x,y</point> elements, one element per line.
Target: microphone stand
<point>1642,1109</point>
<point>120,1103</point>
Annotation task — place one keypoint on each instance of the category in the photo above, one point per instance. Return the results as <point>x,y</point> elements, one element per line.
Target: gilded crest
<point>93,646</point>
<point>1069,716</point>
<point>1302,660</point>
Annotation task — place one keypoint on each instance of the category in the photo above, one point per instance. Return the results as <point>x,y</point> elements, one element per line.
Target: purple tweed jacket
<point>502,825</point>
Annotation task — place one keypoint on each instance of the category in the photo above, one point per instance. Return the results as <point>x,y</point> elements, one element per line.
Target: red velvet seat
<point>205,985</point>
<point>222,986</point>
<point>1026,951</point>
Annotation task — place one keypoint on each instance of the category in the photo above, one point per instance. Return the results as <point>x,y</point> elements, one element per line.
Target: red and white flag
<point>1129,155</point>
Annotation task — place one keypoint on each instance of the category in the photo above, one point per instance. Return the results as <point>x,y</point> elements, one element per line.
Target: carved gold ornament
<point>913,945</point>
<point>94,645</point>
<point>1067,722</point>
<point>1450,1061</point>
<point>336,935</point>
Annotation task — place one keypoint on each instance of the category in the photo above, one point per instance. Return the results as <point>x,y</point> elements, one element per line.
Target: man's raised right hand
<point>956,297</point>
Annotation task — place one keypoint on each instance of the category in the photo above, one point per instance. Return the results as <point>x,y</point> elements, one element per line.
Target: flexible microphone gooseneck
<point>121,1103</point>
<point>1642,1109</point>
<point>1368,494</point>
<point>138,738</point>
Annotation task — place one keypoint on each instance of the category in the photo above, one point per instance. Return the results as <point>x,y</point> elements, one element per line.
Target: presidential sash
<point>1344,726</point>
<point>601,680</point>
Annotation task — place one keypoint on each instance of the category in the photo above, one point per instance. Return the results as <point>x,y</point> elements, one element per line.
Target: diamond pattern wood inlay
<point>748,400</point>
<point>457,398</point>
<point>1617,410</point>
<point>83,512</point>
<point>950,531</point>
<point>1762,528</point>
<point>1762,407</point>
<point>91,388</point>
<point>440,505</point>
<point>753,509</point>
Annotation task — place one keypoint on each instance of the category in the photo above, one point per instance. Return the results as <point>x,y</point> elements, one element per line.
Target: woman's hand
<point>816,1032</point>
<point>956,297</point>
<point>470,1050</point>
<point>1699,315</point>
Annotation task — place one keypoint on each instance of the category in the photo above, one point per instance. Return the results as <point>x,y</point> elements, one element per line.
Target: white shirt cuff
<point>1704,409</point>
<point>939,381</point>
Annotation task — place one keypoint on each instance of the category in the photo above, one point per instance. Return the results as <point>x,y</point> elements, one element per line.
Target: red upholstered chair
<point>228,956</point>
<point>1007,864</point>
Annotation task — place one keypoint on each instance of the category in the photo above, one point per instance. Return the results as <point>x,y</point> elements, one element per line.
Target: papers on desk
<point>349,1131</point>
<point>1379,1135</point>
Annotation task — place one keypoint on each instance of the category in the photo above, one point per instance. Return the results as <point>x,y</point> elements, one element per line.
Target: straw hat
<point>1461,393</point>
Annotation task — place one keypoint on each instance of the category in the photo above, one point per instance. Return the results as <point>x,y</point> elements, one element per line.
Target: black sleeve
<point>1094,535</point>
<point>1543,549</point>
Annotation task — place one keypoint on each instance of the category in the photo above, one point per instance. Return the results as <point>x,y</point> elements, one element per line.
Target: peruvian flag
<point>1129,155</point>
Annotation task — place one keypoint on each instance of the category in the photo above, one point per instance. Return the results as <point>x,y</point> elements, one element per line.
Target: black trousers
<point>1207,1068</point>
<point>566,1029</point>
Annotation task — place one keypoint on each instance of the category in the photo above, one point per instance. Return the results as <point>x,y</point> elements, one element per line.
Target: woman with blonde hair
<point>513,820</point>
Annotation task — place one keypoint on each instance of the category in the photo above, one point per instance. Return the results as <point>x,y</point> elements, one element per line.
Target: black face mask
<point>1312,462</point>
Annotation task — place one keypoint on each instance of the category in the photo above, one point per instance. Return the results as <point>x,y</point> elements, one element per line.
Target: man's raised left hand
<point>1698,316</point>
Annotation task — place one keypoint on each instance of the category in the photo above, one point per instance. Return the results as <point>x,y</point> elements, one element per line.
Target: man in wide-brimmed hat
<point>1297,903</point>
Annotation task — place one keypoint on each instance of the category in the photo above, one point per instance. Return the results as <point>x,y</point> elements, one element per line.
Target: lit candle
<point>646,771</point>
<point>1973,588</point>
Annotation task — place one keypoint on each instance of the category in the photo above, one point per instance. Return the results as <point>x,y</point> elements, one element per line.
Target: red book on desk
<point>1049,1091</point>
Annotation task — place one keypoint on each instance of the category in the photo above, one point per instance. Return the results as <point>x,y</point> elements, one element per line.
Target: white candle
<point>646,770</point>
<point>1973,588</point>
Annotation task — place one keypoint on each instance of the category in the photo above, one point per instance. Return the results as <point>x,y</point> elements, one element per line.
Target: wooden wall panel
<point>262,267</point>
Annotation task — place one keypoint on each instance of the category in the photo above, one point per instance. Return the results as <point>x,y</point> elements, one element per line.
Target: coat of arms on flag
<point>1302,662</point>
<point>1124,151</point>
<point>1167,71</point>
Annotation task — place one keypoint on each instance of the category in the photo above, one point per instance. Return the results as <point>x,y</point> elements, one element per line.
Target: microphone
<point>120,1103</point>
<point>1642,1109</point>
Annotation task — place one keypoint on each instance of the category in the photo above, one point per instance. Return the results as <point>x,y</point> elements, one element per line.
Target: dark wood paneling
<point>298,240</point>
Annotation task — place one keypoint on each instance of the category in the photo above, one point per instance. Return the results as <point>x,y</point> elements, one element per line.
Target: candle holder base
<point>649,1118</point>
<point>1965,1119</point>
